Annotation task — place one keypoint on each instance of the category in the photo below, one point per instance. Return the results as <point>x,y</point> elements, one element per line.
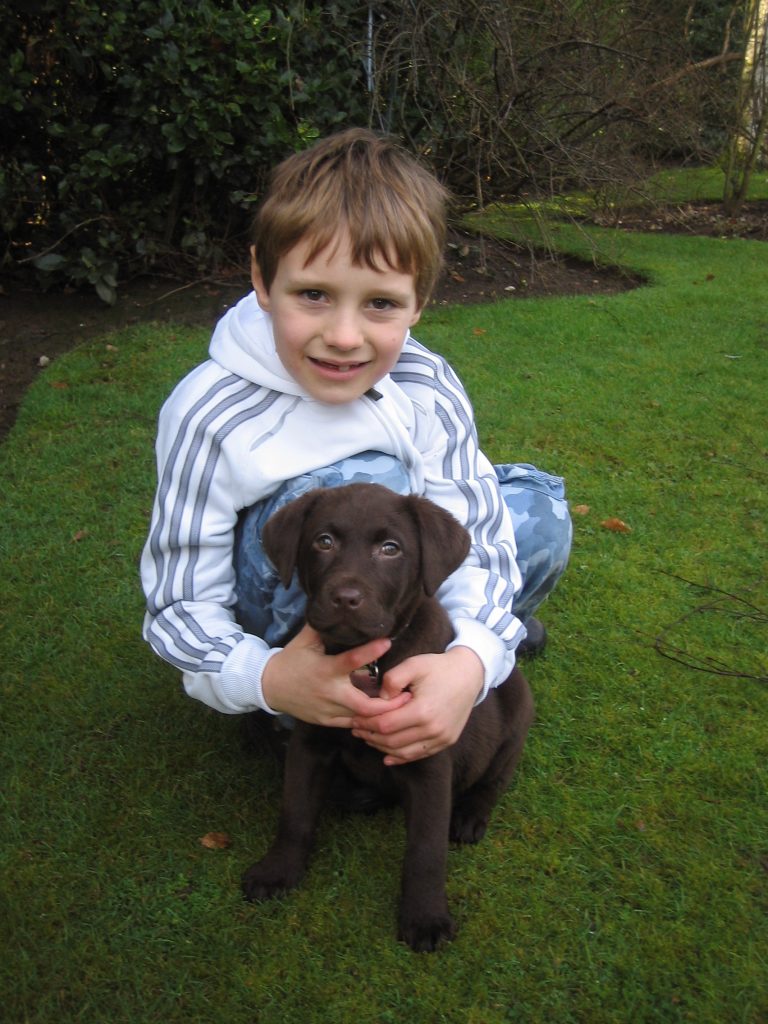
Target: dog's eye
<point>390,548</point>
<point>323,542</point>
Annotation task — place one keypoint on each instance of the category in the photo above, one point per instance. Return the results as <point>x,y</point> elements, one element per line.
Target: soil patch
<point>36,327</point>
<point>708,219</point>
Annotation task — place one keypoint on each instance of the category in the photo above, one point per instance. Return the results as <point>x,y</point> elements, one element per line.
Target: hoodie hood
<point>244,344</point>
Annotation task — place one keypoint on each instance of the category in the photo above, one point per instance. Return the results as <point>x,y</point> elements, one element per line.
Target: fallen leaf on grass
<point>616,525</point>
<point>215,840</point>
<point>479,330</point>
<point>61,384</point>
<point>80,535</point>
<point>581,510</point>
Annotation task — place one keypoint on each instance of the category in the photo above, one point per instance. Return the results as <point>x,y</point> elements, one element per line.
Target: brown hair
<point>392,208</point>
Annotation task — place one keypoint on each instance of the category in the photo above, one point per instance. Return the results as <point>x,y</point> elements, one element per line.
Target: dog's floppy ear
<point>444,541</point>
<point>282,532</point>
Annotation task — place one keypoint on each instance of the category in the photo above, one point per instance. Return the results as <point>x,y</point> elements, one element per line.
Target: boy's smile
<point>338,327</point>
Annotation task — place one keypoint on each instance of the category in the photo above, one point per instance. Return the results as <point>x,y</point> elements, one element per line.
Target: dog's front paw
<point>266,879</point>
<point>425,933</point>
<point>467,826</point>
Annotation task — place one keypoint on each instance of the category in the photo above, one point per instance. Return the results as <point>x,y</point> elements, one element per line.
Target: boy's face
<point>339,328</point>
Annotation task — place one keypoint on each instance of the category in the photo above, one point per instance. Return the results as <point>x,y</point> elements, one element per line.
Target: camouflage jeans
<point>535,500</point>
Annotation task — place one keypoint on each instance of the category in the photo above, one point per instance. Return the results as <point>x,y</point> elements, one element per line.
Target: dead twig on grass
<point>725,603</point>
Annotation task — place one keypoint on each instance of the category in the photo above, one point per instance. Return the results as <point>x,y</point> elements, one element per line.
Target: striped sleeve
<point>186,566</point>
<point>480,595</point>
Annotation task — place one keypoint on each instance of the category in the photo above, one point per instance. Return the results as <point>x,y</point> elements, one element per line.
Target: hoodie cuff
<point>242,672</point>
<point>235,689</point>
<point>497,661</point>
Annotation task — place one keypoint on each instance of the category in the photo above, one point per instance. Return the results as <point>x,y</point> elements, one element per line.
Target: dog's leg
<point>424,920</point>
<point>472,809</point>
<point>307,775</point>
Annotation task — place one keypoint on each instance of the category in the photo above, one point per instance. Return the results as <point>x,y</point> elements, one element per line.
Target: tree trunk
<point>750,128</point>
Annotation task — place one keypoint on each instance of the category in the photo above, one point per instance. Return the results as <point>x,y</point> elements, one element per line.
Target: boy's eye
<point>313,294</point>
<point>382,304</point>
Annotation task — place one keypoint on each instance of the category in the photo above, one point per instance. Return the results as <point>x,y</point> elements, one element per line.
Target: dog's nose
<point>347,597</point>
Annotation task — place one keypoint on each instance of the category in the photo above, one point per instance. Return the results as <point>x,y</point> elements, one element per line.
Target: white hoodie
<point>239,426</point>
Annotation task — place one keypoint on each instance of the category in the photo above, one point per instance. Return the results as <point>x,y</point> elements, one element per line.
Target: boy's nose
<point>342,331</point>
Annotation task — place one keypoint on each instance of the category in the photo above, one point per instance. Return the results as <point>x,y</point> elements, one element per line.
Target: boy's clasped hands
<point>424,702</point>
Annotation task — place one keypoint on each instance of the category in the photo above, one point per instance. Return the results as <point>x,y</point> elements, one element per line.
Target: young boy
<point>315,380</point>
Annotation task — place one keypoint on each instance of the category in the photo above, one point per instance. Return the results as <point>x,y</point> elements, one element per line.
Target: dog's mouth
<point>340,637</point>
<point>341,634</point>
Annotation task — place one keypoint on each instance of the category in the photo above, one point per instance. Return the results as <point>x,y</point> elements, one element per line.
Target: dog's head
<point>365,557</point>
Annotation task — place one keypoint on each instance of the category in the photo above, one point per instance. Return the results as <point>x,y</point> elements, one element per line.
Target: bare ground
<point>36,327</point>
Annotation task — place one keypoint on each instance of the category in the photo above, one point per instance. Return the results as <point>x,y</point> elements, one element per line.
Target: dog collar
<point>373,671</point>
<point>368,677</point>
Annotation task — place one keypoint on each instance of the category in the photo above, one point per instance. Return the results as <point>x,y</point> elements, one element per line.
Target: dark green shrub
<point>138,134</point>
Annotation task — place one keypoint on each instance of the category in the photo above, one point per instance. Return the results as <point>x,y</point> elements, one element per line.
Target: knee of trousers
<point>543,534</point>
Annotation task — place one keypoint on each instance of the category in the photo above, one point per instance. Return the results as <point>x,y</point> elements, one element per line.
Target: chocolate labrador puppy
<point>370,562</point>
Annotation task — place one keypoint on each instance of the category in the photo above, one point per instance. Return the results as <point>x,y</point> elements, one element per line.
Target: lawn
<point>625,874</point>
<point>678,185</point>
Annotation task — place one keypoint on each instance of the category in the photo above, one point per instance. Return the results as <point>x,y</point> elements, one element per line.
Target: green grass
<point>673,186</point>
<point>700,184</point>
<point>625,874</point>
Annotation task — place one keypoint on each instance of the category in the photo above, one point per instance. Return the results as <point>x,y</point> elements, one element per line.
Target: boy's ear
<point>416,317</point>
<point>262,293</point>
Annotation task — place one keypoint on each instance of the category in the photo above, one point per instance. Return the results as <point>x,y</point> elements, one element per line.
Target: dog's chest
<point>366,765</point>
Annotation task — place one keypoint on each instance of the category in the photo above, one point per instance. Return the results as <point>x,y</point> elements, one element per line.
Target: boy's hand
<point>303,681</point>
<point>444,687</point>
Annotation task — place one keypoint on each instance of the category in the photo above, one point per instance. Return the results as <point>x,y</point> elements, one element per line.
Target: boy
<point>314,380</point>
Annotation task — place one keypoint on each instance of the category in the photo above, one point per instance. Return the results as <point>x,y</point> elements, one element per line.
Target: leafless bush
<point>507,97</point>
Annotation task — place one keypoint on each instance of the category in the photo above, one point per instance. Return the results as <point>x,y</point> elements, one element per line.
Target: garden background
<point>625,874</point>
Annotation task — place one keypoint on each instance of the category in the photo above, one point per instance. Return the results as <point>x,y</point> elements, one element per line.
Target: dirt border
<point>35,328</point>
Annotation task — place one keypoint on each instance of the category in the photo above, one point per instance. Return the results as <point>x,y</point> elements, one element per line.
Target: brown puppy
<point>370,561</point>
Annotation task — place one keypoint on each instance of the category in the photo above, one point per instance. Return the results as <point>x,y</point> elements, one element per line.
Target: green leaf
<point>49,262</point>
<point>105,292</point>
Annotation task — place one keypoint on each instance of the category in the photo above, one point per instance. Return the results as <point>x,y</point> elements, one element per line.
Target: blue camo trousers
<point>536,501</point>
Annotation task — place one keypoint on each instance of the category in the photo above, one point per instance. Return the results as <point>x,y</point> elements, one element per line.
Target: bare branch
<point>57,243</point>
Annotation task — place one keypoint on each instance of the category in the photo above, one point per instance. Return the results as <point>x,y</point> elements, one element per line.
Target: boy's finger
<point>394,727</point>
<point>391,687</point>
<point>368,709</point>
<point>355,706</point>
<point>359,657</point>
